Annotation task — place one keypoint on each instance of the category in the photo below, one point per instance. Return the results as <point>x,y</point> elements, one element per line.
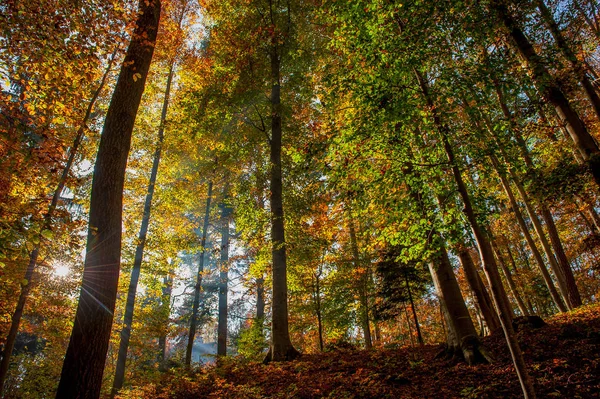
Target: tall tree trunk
<point>141,244</point>
<point>573,298</point>
<point>509,280</point>
<point>568,53</point>
<point>530,242</point>
<point>513,263</point>
<point>551,92</point>
<point>461,334</point>
<point>223,278</point>
<point>47,225</point>
<point>167,292</point>
<point>362,285</point>
<point>414,310</point>
<point>198,286</point>
<point>487,257</point>
<point>83,366</point>
<point>281,346</point>
<point>482,297</point>
<point>318,308</point>
<point>563,272</point>
<point>260,299</point>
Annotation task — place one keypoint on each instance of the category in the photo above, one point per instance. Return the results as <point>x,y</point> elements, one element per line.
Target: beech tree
<point>84,362</point>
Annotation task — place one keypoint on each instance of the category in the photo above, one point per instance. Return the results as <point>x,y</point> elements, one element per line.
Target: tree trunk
<point>223,278</point>
<point>487,257</point>
<point>564,47</point>
<point>573,298</point>
<point>530,242</point>
<point>83,366</point>
<point>33,256</point>
<point>198,286</point>
<point>461,334</point>
<point>362,286</point>
<point>509,280</point>
<point>318,309</point>
<point>563,273</point>
<point>281,346</point>
<point>167,292</point>
<point>551,91</point>
<point>414,310</point>
<point>491,270</point>
<point>139,250</point>
<point>482,297</point>
<point>260,298</point>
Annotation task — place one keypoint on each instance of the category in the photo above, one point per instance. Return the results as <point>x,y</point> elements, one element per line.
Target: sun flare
<point>61,270</point>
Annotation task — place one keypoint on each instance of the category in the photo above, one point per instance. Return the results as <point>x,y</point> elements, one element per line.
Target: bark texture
<point>83,366</point>
<point>281,346</point>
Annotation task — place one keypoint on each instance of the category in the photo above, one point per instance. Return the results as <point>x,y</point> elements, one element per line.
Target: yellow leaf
<point>137,76</point>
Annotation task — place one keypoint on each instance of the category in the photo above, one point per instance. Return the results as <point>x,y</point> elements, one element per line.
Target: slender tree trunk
<point>530,242</point>
<point>86,355</point>
<point>198,286</point>
<point>509,280</point>
<point>260,299</point>
<point>318,309</point>
<point>487,257</point>
<point>484,302</point>
<point>281,346</point>
<point>167,291</point>
<point>362,286</point>
<point>551,91</point>
<point>563,273</point>
<point>412,339</point>
<point>568,53</point>
<point>569,286</point>
<point>141,244</point>
<point>33,256</point>
<point>223,278</point>
<point>414,310</point>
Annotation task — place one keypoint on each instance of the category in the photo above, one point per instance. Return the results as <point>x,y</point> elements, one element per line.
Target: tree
<point>84,362</point>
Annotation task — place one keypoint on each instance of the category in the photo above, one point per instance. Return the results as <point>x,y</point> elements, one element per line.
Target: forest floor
<point>563,357</point>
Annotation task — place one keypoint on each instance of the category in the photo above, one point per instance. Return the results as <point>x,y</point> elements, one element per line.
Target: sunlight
<point>61,270</point>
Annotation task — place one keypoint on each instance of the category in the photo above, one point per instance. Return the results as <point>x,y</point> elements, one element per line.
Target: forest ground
<point>563,357</point>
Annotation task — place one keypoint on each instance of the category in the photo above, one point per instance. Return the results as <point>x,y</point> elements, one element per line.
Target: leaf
<point>47,234</point>
<point>137,76</point>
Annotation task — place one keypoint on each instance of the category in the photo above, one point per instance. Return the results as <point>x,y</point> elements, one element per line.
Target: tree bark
<point>260,298</point>
<point>141,244</point>
<point>551,92</point>
<point>198,286</point>
<point>414,310</point>
<point>487,257</point>
<point>509,280</point>
<point>83,366</point>
<point>362,285</point>
<point>167,292</point>
<point>318,308</point>
<point>563,272</point>
<point>223,279</point>
<point>572,297</point>
<point>281,346</point>
<point>482,297</point>
<point>530,242</point>
<point>47,225</point>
